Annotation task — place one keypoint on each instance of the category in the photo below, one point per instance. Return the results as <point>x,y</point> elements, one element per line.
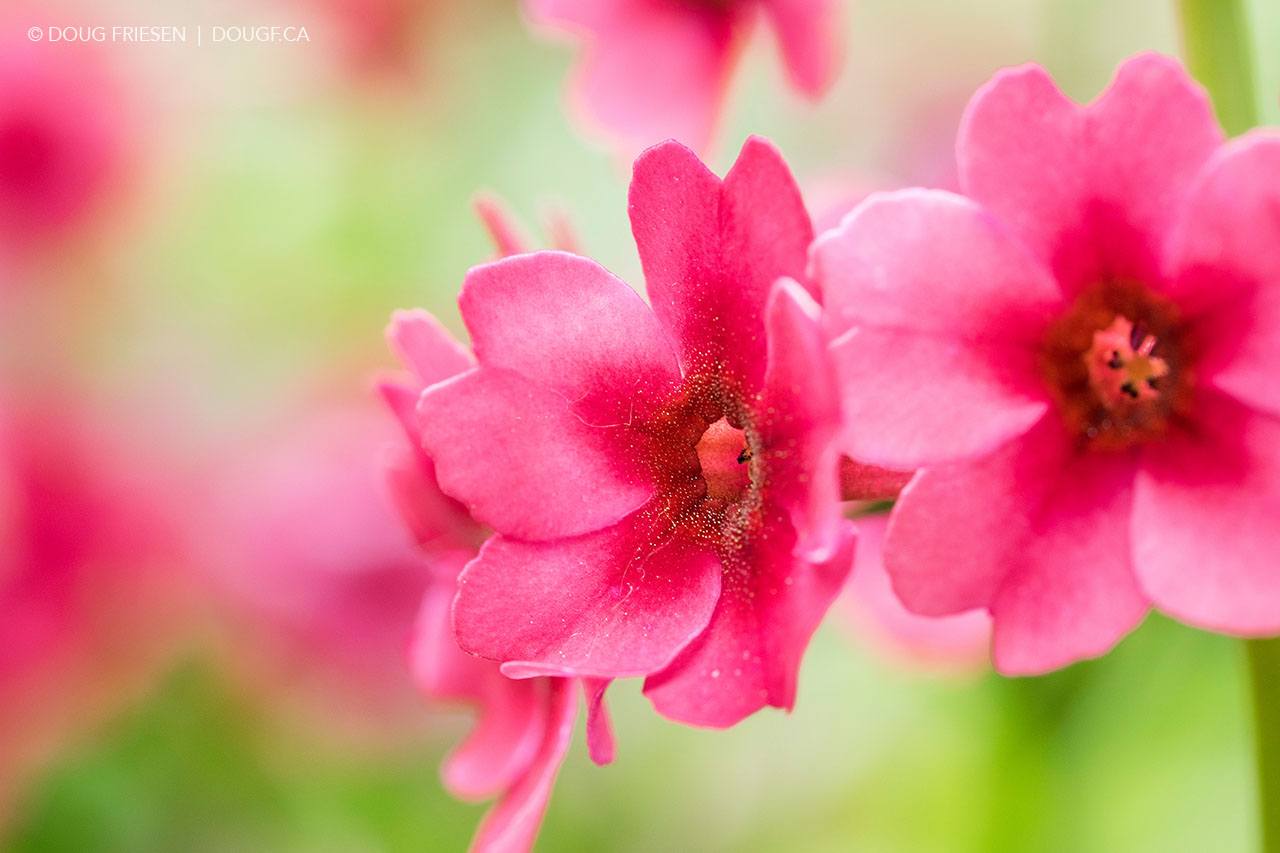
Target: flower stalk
<point>1219,52</point>
<point>1264,676</point>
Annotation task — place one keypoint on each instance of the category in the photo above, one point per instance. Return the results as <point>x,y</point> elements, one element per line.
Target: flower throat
<point>1118,366</point>
<point>705,453</point>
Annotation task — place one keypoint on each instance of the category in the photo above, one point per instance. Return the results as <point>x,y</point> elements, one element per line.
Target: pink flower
<point>662,482</point>
<point>956,644</point>
<point>525,726</point>
<point>88,595</point>
<point>63,136</point>
<point>1081,353</point>
<point>376,39</point>
<point>655,69</point>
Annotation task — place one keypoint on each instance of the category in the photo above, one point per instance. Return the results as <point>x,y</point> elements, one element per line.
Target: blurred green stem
<point>1032,721</point>
<point>1264,677</point>
<point>1219,51</point>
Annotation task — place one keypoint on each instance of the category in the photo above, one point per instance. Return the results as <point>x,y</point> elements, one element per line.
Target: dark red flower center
<point>705,455</point>
<point>1119,366</point>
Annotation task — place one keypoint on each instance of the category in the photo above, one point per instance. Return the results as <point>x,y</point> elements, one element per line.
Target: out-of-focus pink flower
<point>654,69</point>
<point>956,644</point>
<point>376,38</point>
<point>320,575</point>
<point>87,591</point>
<point>1082,355</point>
<point>64,136</point>
<point>662,482</point>
<point>525,726</point>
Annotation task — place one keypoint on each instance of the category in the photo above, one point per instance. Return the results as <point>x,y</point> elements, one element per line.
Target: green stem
<point>1216,42</point>
<point>1264,676</point>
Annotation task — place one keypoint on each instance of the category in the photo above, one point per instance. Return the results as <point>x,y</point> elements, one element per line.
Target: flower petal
<point>1091,190</point>
<point>610,604</point>
<point>945,311</point>
<point>1230,220</point>
<point>512,720</point>
<point>402,399</point>
<point>442,670</point>
<point>565,322</point>
<point>504,231</point>
<point>1206,541</point>
<point>521,459</point>
<point>1021,152</point>
<point>1150,134</point>
<point>932,262</point>
<point>438,522</point>
<point>800,416</point>
<point>504,742</point>
<point>969,407</point>
<point>512,824</point>
<point>750,654</point>
<point>711,252</point>
<point>956,531</point>
<point>1225,260</point>
<point>792,601</point>
<point>600,742</point>
<point>720,678</point>
<point>674,205</point>
<point>425,347</point>
<point>806,35</point>
<point>1072,594</point>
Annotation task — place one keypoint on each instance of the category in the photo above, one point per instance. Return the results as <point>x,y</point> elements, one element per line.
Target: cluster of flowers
<point>88,531</point>
<point>1068,365</point>
<point>1061,373</point>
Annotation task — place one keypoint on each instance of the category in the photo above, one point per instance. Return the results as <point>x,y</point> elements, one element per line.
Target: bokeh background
<point>212,323</point>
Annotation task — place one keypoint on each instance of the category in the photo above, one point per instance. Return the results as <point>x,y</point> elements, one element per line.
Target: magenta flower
<point>525,726</point>
<point>319,573</point>
<point>88,597</point>
<point>377,40</point>
<point>662,482</point>
<point>63,137</point>
<point>654,69</point>
<point>1081,354</point>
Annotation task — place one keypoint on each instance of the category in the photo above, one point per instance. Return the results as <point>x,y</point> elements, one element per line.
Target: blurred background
<point>205,607</point>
